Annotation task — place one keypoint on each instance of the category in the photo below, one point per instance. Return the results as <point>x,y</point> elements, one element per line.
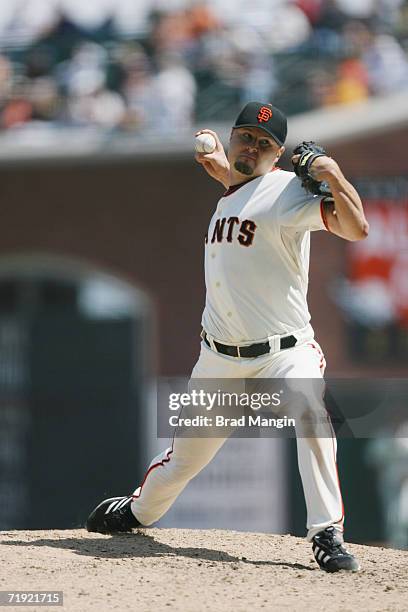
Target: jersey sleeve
<point>300,210</point>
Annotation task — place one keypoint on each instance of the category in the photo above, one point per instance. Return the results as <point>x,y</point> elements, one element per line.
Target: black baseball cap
<point>265,116</point>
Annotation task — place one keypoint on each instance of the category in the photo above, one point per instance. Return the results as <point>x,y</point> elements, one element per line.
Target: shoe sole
<point>341,569</point>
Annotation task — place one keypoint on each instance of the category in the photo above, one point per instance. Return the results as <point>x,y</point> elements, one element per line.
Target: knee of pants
<point>312,420</point>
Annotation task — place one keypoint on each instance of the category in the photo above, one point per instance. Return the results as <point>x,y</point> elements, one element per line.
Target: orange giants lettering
<point>218,230</point>
<point>247,233</point>
<point>231,222</point>
<point>265,113</point>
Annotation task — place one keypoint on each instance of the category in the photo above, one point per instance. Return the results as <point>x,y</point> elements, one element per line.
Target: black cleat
<point>113,515</point>
<point>330,553</point>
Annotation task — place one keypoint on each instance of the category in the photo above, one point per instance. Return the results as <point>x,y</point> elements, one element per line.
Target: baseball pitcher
<point>256,322</point>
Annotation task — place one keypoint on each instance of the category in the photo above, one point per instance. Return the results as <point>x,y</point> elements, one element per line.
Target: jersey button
<point>213,255</point>
<point>218,284</point>
<point>229,314</point>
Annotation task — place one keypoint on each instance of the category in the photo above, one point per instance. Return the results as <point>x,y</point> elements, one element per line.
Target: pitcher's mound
<point>192,570</point>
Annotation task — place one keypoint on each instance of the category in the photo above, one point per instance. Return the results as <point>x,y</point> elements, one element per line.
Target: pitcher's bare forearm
<point>345,217</point>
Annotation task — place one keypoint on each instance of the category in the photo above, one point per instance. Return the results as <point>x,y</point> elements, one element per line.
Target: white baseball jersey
<point>257,259</point>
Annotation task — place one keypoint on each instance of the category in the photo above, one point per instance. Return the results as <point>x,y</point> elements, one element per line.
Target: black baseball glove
<point>309,151</point>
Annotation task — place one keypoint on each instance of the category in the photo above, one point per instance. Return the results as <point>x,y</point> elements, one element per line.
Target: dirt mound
<point>193,570</point>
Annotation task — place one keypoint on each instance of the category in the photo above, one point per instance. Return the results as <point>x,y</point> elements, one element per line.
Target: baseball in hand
<point>205,143</point>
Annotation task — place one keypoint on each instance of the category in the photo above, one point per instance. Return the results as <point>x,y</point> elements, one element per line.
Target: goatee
<point>243,168</point>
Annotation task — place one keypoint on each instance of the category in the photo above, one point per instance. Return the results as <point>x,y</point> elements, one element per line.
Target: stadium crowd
<point>156,65</point>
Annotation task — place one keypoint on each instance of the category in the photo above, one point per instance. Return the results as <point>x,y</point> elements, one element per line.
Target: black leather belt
<point>251,350</point>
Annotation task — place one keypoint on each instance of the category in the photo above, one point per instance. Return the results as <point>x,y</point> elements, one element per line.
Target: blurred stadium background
<point>103,215</point>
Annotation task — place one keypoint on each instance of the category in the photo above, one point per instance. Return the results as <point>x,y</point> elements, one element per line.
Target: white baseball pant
<point>171,470</point>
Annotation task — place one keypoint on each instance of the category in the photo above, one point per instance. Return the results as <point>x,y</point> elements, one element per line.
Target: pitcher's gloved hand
<point>303,157</point>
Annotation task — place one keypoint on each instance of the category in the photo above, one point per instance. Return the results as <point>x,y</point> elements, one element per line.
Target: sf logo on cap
<point>264,114</point>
